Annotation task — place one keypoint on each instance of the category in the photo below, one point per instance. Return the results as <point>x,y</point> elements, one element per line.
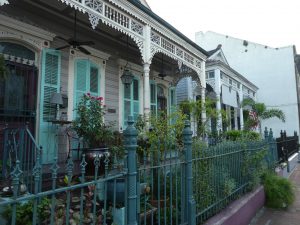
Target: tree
<point>261,112</point>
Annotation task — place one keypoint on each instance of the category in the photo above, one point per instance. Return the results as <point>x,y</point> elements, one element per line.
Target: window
<point>87,79</point>
<point>131,101</point>
<point>172,102</point>
<point>210,74</point>
<point>238,85</point>
<point>153,99</point>
<point>230,81</point>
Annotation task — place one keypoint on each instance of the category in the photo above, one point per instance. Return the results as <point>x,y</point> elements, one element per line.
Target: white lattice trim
<point>111,16</point>
<point>3,2</point>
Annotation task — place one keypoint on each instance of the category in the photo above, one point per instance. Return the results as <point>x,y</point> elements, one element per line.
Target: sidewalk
<point>291,216</point>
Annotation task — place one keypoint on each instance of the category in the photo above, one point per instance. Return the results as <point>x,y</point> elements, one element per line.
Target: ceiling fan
<point>73,42</point>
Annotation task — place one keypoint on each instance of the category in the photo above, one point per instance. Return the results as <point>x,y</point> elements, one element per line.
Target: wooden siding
<point>112,91</point>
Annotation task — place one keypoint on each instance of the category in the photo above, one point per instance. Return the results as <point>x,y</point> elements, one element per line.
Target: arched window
<point>18,88</point>
<point>16,50</point>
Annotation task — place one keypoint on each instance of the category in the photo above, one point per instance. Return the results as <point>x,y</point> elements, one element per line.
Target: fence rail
<point>287,145</point>
<point>165,184</point>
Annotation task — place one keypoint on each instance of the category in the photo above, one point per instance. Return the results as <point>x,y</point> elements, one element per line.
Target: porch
<point>76,47</point>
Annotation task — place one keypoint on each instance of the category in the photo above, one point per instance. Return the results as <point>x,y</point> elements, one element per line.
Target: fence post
<point>130,144</point>
<point>286,152</point>
<point>266,134</point>
<point>273,147</point>
<point>190,206</point>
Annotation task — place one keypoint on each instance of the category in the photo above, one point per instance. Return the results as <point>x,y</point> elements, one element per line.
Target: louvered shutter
<point>50,83</point>
<point>136,102</point>
<point>131,101</point>
<point>81,80</point>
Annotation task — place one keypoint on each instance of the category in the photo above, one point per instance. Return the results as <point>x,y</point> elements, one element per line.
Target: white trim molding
<point>150,36</point>
<point>12,29</point>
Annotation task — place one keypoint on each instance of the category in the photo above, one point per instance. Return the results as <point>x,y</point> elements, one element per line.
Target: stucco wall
<point>271,69</point>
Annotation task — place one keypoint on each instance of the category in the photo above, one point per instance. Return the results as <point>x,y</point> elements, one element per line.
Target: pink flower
<point>88,94</point>
<point>100,98</point>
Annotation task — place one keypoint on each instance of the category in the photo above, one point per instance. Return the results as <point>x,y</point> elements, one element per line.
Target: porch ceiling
<point>109,36</point>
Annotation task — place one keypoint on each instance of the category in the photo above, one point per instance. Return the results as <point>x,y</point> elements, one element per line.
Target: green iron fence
<point>168,184</point>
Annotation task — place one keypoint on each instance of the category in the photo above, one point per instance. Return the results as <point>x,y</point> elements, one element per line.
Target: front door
<point>18,99</point>
<point>18,94</point>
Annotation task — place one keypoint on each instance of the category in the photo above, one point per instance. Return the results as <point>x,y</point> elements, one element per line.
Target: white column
<point>193,119</point>
<point>236,127</point>
<point>146,90</point>
<point>241,108</point>
<point>147,61</point>
<point>218,95</point>
<point>228,112</point>
<point>203,114</point>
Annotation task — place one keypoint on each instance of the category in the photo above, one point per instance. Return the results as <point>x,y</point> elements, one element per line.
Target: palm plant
<point>195,109</point>
<point>262,113</point>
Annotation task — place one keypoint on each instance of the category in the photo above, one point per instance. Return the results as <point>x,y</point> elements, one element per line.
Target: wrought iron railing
<point>287,145</point>
<point>167,184</point>
<point>19,146</point>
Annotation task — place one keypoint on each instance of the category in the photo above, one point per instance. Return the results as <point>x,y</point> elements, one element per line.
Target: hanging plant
<point>3,70</point>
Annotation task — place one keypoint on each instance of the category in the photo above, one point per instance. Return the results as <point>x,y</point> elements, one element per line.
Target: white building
<point>273,70</point>
<point>227,86</point>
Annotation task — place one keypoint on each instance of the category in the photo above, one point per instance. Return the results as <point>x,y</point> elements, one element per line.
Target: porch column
<point>203,114</point>
<point>241,108</point>
<point>236,127</point>
<point>228,112</point>
<point>218,95</point>
<point>146,91</point>
<point>193,119</point>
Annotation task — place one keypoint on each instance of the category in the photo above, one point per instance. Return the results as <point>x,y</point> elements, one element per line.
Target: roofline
<point>210,63</point>
<point>166,24</point>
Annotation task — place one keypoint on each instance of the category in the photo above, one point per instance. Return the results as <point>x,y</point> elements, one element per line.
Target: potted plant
<point>90,126</point>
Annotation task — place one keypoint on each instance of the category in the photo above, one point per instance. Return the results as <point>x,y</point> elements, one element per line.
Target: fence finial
<point>271,134</point>
<point>266,133</point>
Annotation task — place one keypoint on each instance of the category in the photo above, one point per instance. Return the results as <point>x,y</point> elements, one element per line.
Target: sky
<point>274,23</point>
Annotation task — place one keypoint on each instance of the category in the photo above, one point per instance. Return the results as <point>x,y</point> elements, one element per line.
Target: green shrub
<point>279,191</point>
<point>234,135</point>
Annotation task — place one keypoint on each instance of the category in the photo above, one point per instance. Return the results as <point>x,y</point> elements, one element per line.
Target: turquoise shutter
<point>136,102</point>
<point>81,80</point>
<point>50,83</point>
<point>131,101</point>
